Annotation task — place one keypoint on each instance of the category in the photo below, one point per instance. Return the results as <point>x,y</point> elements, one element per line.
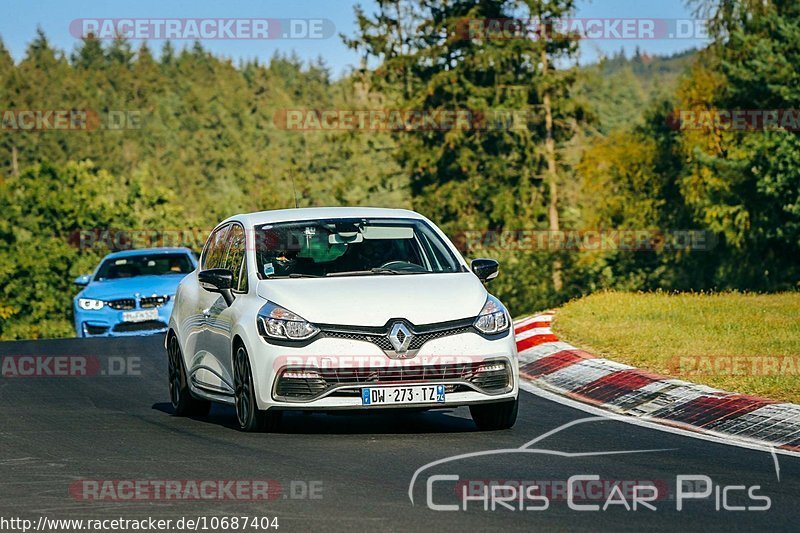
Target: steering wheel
<point>403,265</point>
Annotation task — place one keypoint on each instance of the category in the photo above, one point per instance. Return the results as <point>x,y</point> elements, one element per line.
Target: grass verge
<point>739,342</point>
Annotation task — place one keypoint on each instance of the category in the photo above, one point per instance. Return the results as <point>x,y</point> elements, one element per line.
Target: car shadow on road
<point>387,421</point>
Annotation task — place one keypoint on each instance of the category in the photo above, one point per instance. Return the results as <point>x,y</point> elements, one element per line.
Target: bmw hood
<point>374,300</point>
<point>128,287</point>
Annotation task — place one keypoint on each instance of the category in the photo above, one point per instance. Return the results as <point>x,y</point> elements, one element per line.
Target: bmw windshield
<point>350,247</point>
<point>144,265</point>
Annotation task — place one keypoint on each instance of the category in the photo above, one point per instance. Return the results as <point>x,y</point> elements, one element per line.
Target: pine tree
<point>90,55</point>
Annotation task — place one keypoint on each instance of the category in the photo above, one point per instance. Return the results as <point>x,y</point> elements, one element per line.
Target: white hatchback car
<point>339,308</point>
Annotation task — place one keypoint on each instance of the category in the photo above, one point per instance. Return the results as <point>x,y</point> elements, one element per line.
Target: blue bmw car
<point>131,292</point>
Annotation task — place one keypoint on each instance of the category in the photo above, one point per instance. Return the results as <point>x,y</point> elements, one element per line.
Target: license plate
<point>140,316</point>
<point>402,395</point>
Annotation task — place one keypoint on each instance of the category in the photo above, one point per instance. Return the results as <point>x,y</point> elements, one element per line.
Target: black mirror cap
<point>216,279</point>
<point>485,269</point>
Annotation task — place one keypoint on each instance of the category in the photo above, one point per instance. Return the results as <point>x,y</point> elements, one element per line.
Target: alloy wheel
<point>175,381</point>
<point>242,393</point>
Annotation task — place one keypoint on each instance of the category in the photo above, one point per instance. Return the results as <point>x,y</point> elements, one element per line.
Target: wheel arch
<point>170,333</point>
<point>237,342</point>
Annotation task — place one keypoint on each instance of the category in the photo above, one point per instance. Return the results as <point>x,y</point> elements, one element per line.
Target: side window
<point>235,257</point>
<point>215,250</point>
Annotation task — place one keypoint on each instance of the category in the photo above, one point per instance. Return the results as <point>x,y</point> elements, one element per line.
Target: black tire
<point>181,397</point>
<point>494,416</point>
<point>249,416</point>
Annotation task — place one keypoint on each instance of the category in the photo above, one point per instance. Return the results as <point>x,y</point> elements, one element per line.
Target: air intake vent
<point>153,301</point>
<point>122,303</point>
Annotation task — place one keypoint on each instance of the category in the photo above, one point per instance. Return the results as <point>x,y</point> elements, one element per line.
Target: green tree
<point>745,185</point>
<point>207,147</point>
<point>45,208</point>
<point>436,58</point>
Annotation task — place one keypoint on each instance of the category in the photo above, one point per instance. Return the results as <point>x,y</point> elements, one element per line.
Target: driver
<point>284,263</point>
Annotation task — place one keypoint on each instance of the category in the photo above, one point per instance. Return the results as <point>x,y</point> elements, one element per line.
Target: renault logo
<point>400,337</point>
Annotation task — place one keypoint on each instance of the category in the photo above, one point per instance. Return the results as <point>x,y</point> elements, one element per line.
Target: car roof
<point>148,251</point>
<point>315,213</point>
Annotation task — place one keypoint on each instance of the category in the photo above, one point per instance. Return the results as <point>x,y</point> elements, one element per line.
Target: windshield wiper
<point>293,275</point>
<point>376,270</point>
<point>381,270</point>
<point>350,273</point>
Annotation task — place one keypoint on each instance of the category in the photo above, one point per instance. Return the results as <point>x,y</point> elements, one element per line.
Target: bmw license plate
<point>402,395</point>
<point>140,316</point>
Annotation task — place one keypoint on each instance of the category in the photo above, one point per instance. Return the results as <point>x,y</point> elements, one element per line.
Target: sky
<point>21,18</point>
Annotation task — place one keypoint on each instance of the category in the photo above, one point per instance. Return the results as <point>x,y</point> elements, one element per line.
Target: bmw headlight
<point>493,318</point>
<point>90,304</point>
<point>275,322</point>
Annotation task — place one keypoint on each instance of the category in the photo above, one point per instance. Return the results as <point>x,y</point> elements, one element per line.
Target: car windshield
<point>350,247</point>
<point>144,265</point>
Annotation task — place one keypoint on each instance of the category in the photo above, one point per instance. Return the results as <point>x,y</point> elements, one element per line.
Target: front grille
<point>379,336</point>
<point>418,340</point>
<point>147,325</point>
<point>448,389</point>
<point>147,302</point>
<point>398,374</point>
<point>318,381</point>
<point>122,303</point>
<point>381,341</point>
<point>153,301</point>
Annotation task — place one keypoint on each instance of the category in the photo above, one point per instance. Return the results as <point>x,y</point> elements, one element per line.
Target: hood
<point>373,300</point>
<point>128,287</point>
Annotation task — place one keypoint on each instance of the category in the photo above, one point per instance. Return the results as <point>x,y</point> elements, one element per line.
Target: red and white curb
<point>564,369</point>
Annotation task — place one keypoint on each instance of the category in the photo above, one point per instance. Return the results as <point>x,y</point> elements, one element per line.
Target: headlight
<point>275,322</point>
<point>89,304</point>
<point>493,317</point>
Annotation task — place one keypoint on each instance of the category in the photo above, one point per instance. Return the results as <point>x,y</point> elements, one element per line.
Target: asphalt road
<point>58,432</point>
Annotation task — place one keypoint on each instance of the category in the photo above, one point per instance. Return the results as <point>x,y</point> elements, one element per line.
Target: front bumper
<point>108,322</point>
<point>332,372</point>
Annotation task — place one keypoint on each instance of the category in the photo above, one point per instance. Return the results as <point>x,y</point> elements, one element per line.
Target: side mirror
<point>82,281</point>
<point>217,280</point>
<point>485,269</point>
